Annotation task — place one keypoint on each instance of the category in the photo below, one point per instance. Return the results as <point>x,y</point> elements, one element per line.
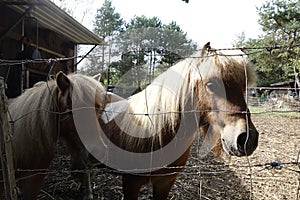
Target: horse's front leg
<point>79,160</point>
<point>87,186</point>
<point>131,186</point>
<point>162,186</point>
<point>30,187</point>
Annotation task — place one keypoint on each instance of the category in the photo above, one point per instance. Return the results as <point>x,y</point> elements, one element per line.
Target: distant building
<point>286,87</point>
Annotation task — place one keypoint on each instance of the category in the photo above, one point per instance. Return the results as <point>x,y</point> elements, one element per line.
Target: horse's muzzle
<point>246,143</point>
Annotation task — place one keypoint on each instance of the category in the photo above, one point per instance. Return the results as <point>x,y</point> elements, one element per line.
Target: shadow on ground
<point>205,179</point>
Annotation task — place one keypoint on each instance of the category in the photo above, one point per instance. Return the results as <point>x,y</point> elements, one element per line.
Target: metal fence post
<point>6,152</point>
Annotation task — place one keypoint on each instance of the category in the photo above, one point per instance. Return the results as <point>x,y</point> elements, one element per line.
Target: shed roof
<point>54,18</point>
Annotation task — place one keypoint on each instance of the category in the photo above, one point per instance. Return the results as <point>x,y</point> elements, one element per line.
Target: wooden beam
<point>16,23</point>
<point>16,36</point>
<point>37,71</point>
<point>47,50</point>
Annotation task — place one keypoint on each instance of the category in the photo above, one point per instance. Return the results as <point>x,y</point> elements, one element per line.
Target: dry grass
<point>208,178</point>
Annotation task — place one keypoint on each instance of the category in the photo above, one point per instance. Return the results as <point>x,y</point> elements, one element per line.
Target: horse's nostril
<point>241,141</point>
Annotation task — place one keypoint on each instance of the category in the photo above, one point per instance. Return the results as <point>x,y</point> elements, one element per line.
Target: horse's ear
<point>97,77</point>
<point>206,48</point>
<point>63,82</point>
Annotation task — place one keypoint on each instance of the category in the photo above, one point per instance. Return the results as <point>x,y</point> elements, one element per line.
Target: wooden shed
<point>34,34</point>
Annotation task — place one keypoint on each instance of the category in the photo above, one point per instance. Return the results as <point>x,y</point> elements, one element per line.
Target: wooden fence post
<point>6,153</point>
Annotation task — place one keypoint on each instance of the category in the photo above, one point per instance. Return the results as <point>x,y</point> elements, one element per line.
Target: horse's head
<point>79,88</point>
<point>222,95</point>
<point>77,94</point>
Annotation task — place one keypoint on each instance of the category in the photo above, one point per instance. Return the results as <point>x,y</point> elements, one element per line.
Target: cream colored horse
<point>41,116</point>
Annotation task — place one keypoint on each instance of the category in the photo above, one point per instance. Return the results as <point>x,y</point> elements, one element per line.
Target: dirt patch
<point>270,173</point>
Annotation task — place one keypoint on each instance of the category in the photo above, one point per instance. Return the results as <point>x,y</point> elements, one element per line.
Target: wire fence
<point>271,173</point>
<point>246,50</point>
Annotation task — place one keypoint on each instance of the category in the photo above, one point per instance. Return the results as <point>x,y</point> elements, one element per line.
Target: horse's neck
<point>136,130</point>
<point>35,125</point>
<point>154,115</point>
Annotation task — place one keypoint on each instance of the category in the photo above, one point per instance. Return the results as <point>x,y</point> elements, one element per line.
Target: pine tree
<point>279,20</point>
<point>107,25</point>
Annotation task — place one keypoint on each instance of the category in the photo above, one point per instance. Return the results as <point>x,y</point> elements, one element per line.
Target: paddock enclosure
<point>272,172</point>
<point>258,178</point>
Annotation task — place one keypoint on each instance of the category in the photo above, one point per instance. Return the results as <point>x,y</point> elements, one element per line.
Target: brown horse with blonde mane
<point>42,115</point>
<point>148,136</point>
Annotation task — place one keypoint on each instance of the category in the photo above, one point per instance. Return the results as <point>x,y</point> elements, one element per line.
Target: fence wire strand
<point>254,168</point>
<point>246,50</point>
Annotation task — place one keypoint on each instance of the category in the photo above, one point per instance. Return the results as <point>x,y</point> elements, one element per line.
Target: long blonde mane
<point>160,104</point>
<point>34,122</point>
<point>35,116</point>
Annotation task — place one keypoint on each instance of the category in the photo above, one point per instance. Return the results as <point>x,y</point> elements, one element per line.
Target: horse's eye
<point>212,87</point>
